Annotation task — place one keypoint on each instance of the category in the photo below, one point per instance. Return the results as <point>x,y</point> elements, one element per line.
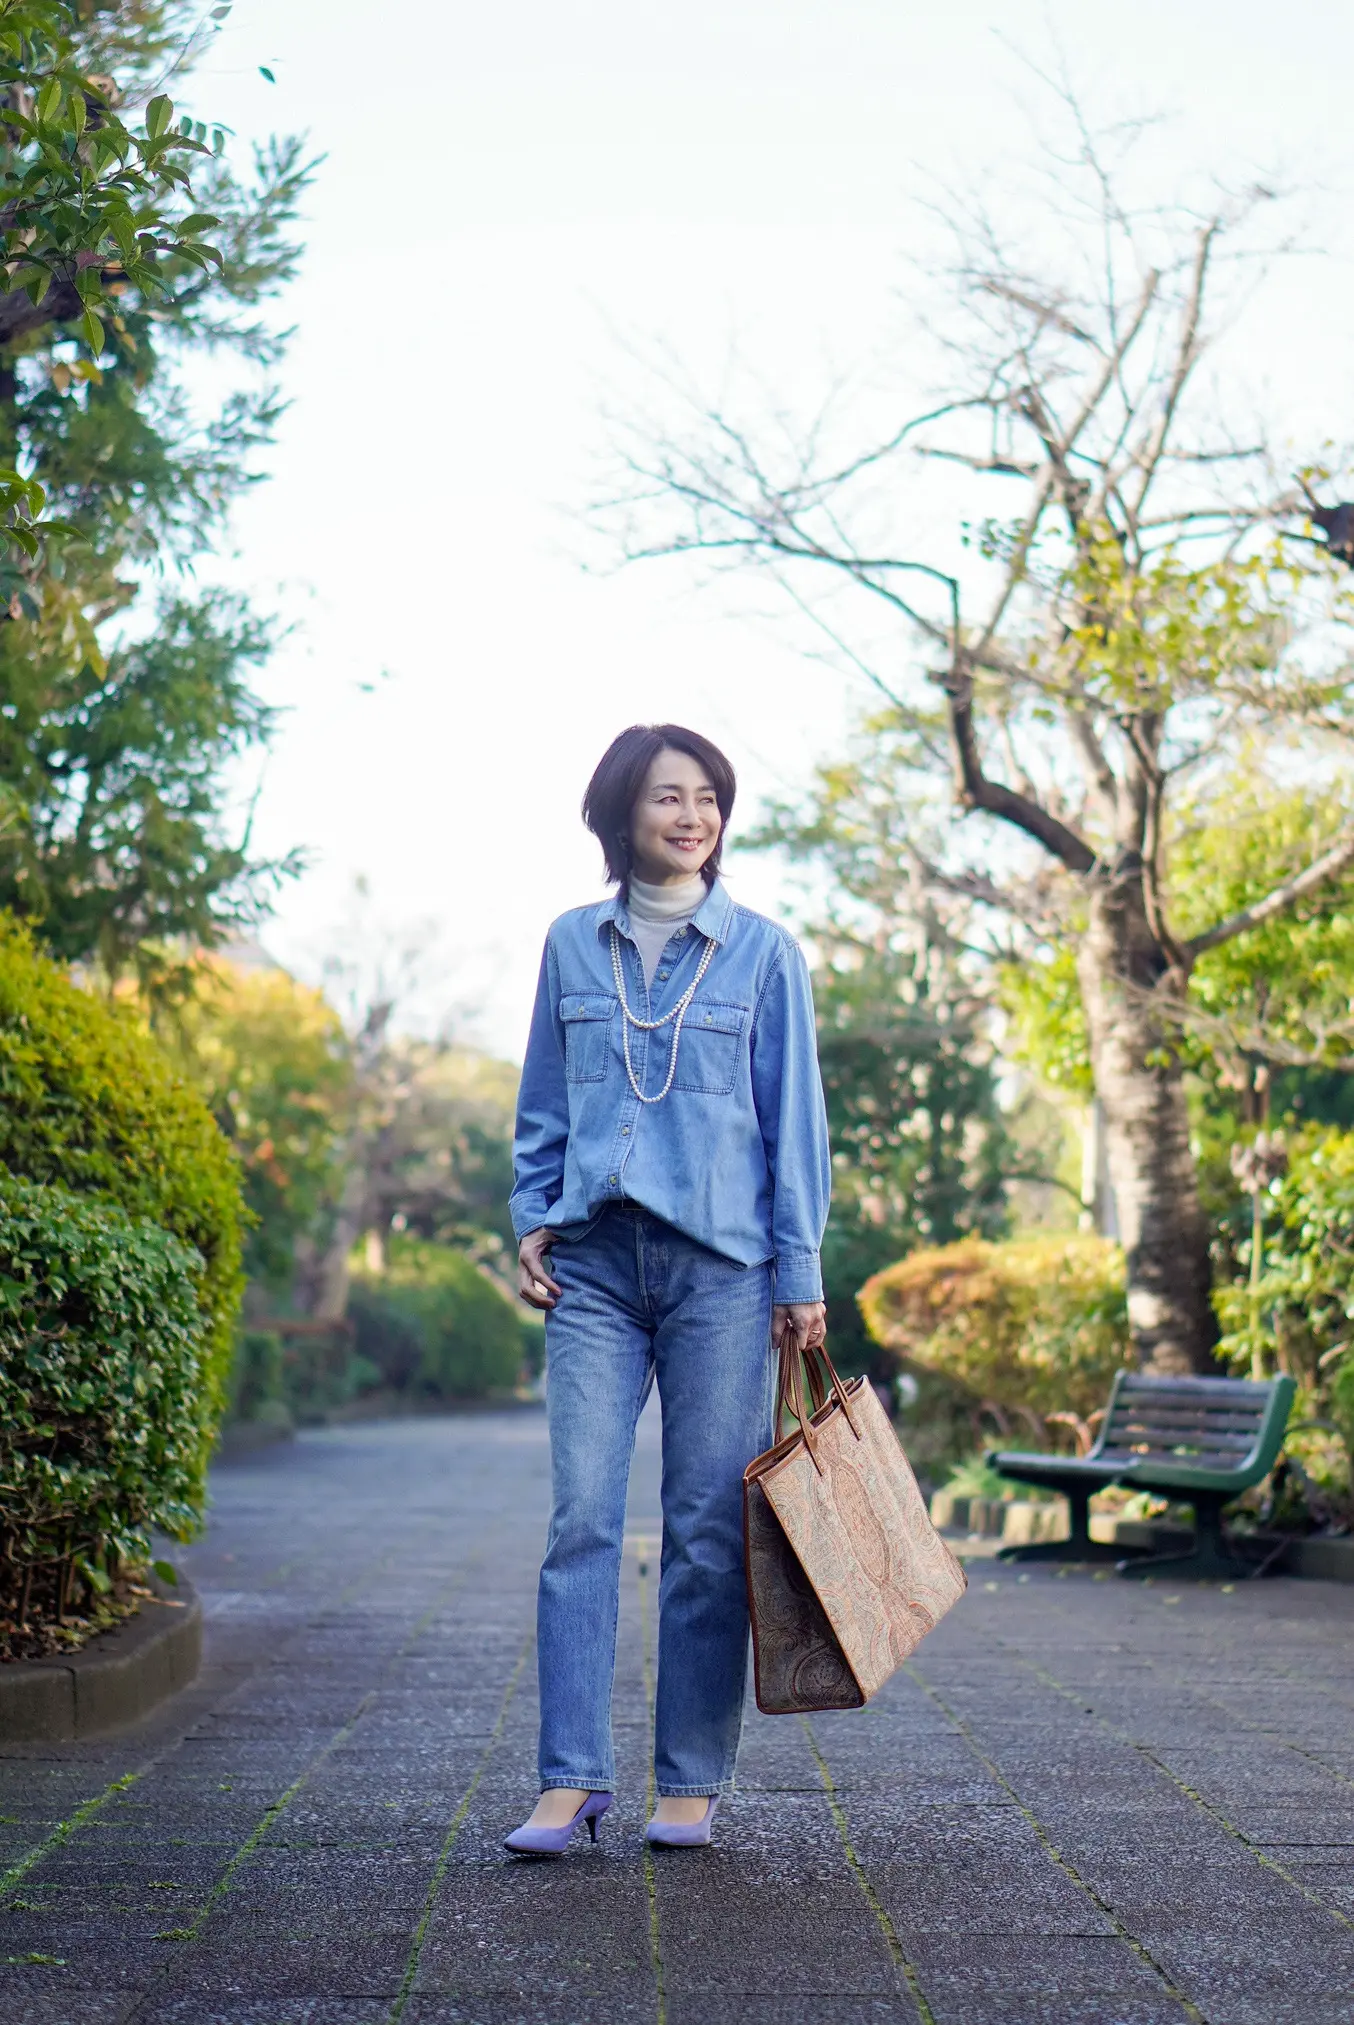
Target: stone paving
<point>1088,1803</point>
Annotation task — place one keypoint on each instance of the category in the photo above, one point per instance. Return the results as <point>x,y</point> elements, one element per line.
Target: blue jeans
<point>638,1301</point>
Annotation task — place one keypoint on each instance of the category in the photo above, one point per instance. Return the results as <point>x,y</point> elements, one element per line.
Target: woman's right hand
<point>534,1284</point>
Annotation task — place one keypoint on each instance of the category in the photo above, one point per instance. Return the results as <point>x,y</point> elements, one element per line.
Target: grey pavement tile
<point>1297,1827</point>
<point>1268,2007</point>
<point>834,2007</point>
<point>511,1926</point>
<point>1333,1884</point>
<point>537,2007</point>
<point>83,2007</point>
<point>720,1930</point>
<point>224,2008</point>
<point>1054,1964</point>
<point>1033,2007</point>
<point>318,1963</point>
<point>105,1966</point>
<point>1169,1875</point>
<point>1269,1960</point>
<point>992,1899</point>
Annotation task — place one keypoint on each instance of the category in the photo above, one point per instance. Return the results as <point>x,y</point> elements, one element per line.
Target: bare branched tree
<point>420,1110</point>
<point>1162,595</point>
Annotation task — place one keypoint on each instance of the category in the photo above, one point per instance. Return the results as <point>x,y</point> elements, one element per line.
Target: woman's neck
<point>675,900</point>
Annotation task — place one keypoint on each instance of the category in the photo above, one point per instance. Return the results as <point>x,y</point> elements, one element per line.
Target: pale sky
<point>509,191</point>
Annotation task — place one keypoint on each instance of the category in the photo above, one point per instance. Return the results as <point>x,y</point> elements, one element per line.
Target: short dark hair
<point>621,772</point>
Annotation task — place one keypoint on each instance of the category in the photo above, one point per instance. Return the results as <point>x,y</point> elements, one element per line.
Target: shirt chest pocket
<point>586,1017</point>
<point>707,1054</point>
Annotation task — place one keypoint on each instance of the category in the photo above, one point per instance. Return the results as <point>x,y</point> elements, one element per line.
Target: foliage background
<point>105,1408</point>
<point>89,1102</point>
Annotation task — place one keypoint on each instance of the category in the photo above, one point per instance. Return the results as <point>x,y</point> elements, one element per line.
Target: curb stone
<point>117,1678</point>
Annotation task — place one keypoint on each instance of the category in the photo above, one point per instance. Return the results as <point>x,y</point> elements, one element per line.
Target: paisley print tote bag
<point>846,1574</point>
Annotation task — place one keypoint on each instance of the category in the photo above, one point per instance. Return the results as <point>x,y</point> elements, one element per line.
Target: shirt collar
<point>712,917</point>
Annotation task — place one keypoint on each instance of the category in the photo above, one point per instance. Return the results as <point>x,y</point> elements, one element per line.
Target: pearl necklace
<point>678,1013</point>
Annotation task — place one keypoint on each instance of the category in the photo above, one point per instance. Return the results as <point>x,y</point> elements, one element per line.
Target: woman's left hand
<point>805,1320</point>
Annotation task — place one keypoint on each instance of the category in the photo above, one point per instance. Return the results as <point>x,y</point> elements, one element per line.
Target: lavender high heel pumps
<point>529,1841</point>
<point>683,1834</point>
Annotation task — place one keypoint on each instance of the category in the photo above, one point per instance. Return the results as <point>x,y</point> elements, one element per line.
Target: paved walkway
<point>1088,1804</point>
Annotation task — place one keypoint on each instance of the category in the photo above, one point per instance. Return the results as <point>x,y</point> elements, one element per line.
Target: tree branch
<point>976,791</point>
<point>978,887</point>
<point>1328,866</point>
<point>1105,786</point>
<point>1149,456</point>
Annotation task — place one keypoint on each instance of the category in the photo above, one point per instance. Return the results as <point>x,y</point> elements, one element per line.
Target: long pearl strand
<point>678,1013</point>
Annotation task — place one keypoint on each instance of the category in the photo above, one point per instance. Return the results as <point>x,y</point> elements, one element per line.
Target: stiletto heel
<point>683,1834</point>
<point>529,1841</point>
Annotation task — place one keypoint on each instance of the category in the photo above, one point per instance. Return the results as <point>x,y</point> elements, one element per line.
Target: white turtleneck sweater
<point>657,912</point>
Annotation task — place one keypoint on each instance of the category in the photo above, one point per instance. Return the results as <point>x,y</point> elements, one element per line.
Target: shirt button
<point>680,933</point>
<point>664,973</point>
<point>625,1132</point>
<point>613,1179</point>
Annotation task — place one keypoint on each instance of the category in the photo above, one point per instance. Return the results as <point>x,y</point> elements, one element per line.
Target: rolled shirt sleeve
<point>788,1093</point>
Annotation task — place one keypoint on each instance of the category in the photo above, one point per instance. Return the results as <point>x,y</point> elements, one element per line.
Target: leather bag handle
<point>823,1384</point>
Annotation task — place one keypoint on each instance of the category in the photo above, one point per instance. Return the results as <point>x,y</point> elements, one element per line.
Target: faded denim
<point>736,1155</point>
<point>641,1301</point>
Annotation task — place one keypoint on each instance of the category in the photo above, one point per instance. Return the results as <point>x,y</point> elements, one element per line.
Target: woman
<point>672,1181</point>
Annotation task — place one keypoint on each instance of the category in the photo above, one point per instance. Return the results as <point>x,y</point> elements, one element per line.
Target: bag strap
<point>823,1384</point>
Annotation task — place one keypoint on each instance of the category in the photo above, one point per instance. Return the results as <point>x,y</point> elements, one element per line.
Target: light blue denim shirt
<point>736,1155</point>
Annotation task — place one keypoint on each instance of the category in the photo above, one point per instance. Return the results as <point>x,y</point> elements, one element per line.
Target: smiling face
<point>675,823</point>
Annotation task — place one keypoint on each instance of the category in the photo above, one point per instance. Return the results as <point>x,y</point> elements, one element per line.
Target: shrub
<point>88,1102</point>
<point>104,1415</point>
<point>320,1370</point>
<point>434,1323</point>
<point>1342,1401</point>
<point>1303,1308</point>
<point>1038,1324</point>
<point>257,1384</point>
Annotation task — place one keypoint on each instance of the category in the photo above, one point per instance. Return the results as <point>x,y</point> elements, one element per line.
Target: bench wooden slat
<point>1202,1388</point>
<point>1228,1410</point>
<point>1169,1438</point>
<point>1182,1423</point>
<point>1191,1410</point>
<point>1195,1458</point>
<point>1240,1421</point>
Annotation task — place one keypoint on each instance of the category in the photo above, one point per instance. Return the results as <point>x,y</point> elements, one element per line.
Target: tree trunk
<point>329,1291</point>
<point>1139,1082</point>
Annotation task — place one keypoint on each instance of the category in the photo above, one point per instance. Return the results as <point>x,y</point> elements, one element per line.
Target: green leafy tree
<point>272,1060</point>
<point>1265,1027</point>
<point>122,705</point>
<point>1149,608</point>
<point>90,204</point>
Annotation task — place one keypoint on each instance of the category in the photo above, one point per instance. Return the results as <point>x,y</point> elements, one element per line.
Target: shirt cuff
<point>528,1213</point>
<point>799,1277</point>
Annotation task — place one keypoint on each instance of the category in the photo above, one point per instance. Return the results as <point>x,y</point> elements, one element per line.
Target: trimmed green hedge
<point>89,1102</point>
<point>104,1415</point>
<point>433,1323</point>
<point>1038,1324</point>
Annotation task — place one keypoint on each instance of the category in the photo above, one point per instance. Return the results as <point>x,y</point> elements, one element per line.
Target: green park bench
<point>1198,1441</point>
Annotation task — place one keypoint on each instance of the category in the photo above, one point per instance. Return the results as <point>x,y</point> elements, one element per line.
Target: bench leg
<point>1209,1560</point>
<point>1079,1546</point>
